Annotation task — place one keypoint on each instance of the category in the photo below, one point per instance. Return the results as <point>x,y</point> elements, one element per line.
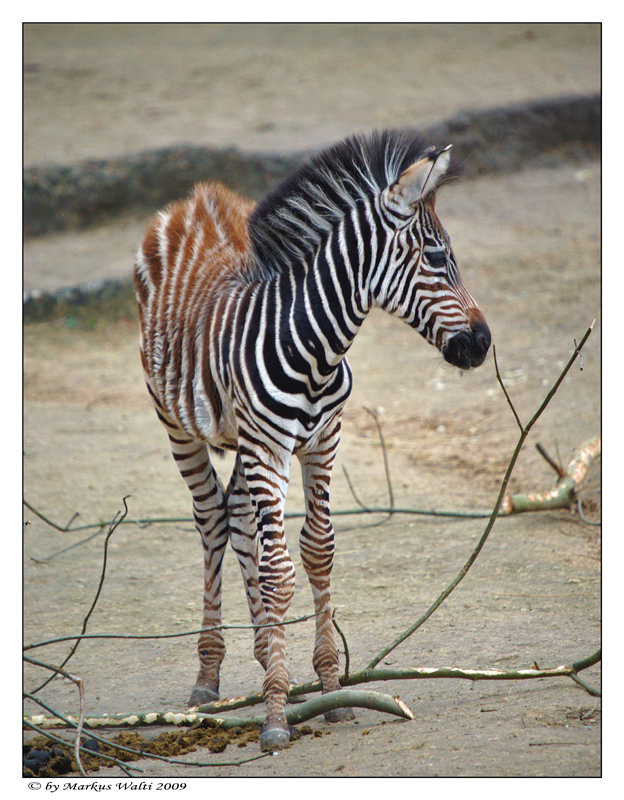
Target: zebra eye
<point>436,258</point>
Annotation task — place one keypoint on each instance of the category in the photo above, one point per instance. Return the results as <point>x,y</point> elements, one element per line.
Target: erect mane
<point>292,218</point>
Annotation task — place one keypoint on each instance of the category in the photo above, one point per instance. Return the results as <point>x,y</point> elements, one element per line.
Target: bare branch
<point>114,524</point>
<point>222,627</point>
<point>384,453</point>
<point>346,648</point>
<point>557,467</point>
<point>62,528</point>
<point>502,385</point>
<point>353,492</point>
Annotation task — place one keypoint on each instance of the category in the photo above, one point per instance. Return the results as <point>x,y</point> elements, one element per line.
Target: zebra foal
<point>246,314</point>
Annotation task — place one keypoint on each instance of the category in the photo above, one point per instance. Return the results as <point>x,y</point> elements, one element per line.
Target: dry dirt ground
<point>528,245</point>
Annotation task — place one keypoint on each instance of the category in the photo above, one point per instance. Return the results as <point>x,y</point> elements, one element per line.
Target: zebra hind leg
<point>211,520</point>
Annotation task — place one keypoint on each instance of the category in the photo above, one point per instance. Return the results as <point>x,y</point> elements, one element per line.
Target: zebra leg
<point>316,542</point>
<point>211,520</point>
<point>244,541</point>
<point>266,476</point>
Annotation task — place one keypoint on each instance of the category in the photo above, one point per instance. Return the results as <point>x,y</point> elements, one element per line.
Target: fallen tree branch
<point>367,676</point>
<point>318,705</point>
<point>565,493</point>
<point>131,720</point>
<point>294,714</point>
<point>412,673</point>
<point>346,698</point>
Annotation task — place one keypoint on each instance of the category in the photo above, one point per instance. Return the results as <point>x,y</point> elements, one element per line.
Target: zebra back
<point>190,254</point>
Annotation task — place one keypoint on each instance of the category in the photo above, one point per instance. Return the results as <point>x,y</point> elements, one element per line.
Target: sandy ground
<point>100,91</point>
<point>528,245</point>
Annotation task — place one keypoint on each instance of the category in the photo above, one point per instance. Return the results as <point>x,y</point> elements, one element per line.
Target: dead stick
<point>550,461</point>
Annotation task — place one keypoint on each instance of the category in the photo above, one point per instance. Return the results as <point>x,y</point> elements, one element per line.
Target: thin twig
<point>366,509</point>
<point>45,559</point>
<point>145,522</point>
<point>113,526</point>
<point>353,493</point>
<point>345,677</point>
<point>63,528</point>
<point>502,385</point>
<point>581,513</point>
<point>588,688</point>
<point>557,467</point>
<point>384,453</point>
<point>222,627</point>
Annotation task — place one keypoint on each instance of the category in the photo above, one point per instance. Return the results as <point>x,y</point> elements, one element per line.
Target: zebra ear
<point>419,180</point>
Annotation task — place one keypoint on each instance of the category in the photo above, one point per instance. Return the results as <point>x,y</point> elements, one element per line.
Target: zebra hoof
<point>203,694</point>
<point>339,715</point>
<point>275,735</point>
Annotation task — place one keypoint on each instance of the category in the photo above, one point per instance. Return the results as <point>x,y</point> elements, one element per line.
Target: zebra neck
<point>322,307</point>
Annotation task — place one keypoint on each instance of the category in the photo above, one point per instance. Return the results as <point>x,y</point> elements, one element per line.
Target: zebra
<point>246,314</point>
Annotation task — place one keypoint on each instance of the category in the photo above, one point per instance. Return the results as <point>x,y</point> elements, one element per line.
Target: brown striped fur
<point>192,253</point>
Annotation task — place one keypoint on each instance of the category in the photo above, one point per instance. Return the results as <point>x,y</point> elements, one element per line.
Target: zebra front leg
<point>267,480</point>
<point>211,520</point>
<point>316,543</point>
<point>244,541</point>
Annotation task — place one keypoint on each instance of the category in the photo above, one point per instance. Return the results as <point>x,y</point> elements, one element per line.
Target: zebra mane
<point>292,219</point>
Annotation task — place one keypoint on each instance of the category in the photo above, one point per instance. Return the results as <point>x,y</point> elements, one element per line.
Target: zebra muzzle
<point>469,348</point>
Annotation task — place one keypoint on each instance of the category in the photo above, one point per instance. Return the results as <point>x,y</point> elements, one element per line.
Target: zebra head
<point>419,280</point>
